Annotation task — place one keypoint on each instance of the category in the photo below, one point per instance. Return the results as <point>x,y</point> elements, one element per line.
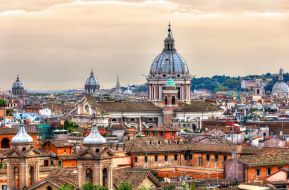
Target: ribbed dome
<point>169,62</point>
<point>94,137</point>
<point>280,87</point>
<point>22,136</point>
<point>17,84</point>
<point>91,81</point>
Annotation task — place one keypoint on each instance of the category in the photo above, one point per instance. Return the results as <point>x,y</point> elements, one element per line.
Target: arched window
<point>166,100</point>
<point>31,175</point>
<point>105,177</point>
<point>16,177</point>
<point>89,175</point>
<point>48,188</point>
<point>5,143</point>
<point>173,100</point>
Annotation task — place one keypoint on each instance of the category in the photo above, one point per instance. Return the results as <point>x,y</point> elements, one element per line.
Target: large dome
<point>169,62</point>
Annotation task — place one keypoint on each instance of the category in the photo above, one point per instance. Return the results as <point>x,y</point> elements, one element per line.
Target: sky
<point>54,44</point>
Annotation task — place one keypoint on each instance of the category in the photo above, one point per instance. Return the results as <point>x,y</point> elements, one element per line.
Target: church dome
<point>91,80</point>
<point>280,87</point>
<point>17,84</point>
<point>128,91</point>
<point>169,62</point>
<point>22,136</point>
<point>94,137</point>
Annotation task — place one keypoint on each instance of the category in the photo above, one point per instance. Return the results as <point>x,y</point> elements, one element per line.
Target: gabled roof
<point>60,177</point>
<point>135,177</point>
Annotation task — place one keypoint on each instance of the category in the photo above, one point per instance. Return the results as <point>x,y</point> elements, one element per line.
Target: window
<point>216,158</point>
<point>173,100</point>
<point>135,159</point>
<point>208,157</point>
<point>5,143</point>
<point>132,119</point>
<point>166,100</point>
<point>225,158</point>
<point>162,133</point>
<point>146,159</point>
<point>156,158</point>
<point>258,172</point>
<point>97,150</point>
<point>114,120</point>
<point>166,157</point>
<point>46,162</point>
<point>159,142</point>
<point>48,188</point>
<point>176,157</point>
<point>200,161</point>
<point>156,133</point>
<point>269,171</point>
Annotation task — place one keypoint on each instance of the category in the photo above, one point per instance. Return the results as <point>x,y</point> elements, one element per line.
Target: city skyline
<point>54,45</point>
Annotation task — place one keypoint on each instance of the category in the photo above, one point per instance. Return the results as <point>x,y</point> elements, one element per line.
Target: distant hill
<point>226,83</point>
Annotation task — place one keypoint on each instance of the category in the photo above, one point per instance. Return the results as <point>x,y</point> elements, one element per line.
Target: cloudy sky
<point>53,44</point>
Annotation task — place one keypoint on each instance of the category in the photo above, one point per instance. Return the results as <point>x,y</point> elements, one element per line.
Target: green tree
<point>90,186</point>
<point>87,186</point>
<point>2,103</point>
<point>66,187</point>
<point>124,186</point>
<point>9,112</point>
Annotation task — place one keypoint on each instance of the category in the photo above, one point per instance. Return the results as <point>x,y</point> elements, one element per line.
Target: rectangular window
<point>176,157</point>
<point>156,158</point>
<point>166,157</point>
<point>269,171</point>
<point>135,159</point>
<point>216,158</point>
<point>225,158</point>
<point>200,161</point>
<point>4,187</point>
<point>258,172</point>
<point>208,157</point>
<point>146,159</point>
<point>156,133</point>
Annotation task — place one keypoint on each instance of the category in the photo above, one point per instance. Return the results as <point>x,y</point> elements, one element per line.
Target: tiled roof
<point>153,145</point>
<point>13,131</point>
<point>161,129</point>
<point>197,106</point>
<point>60,177</point>
<point>135,177</point>
<point>123,106</point>
<point>267,157</point>
<point>58,143</point>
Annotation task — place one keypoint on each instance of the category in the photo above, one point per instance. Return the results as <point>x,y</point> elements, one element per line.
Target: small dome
<point>94,137</point>
<point>91,80</point>
<point>170,82</point>
<point>22,136</point>
<point>128,91</point>
<point>17,84</point>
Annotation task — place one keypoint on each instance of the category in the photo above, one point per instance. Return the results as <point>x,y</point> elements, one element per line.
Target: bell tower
<point>23,161</point>
<point>170,102</point>
<point>94,162</point>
